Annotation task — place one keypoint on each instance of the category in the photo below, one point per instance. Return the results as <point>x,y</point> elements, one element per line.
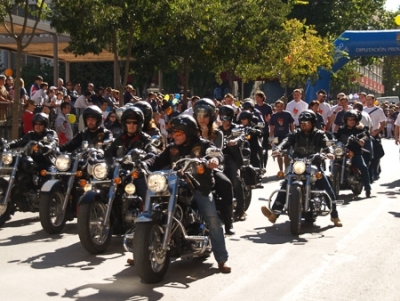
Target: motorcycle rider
<point>40,122</point>
<point>94,133</point>
<point>306,141</point>
<point>204,113</point>
<point>187,143</point>
<point>233,158</point>
<point>352,127</point>
<point>254,134</point>
<point>132,121</point>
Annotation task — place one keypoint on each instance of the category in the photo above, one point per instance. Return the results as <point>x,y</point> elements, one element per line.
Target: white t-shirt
<point>325,110</point>
<point>366,120</point>
<point>295,108</point>
<point>377,116</point>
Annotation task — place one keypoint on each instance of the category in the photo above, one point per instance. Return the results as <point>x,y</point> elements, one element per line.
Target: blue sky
<point>392,5</point>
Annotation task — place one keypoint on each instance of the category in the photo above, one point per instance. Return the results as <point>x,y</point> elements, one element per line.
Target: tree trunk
<point>16,112</point>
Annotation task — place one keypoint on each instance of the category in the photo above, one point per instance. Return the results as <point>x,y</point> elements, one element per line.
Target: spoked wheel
<point>52,217</point>
<point>6,210</point>
<point>247,196</point>
<point>151,260</point>
<point>94,236</point>
<point>295,209</point>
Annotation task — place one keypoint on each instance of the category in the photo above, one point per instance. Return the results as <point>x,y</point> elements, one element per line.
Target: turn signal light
<point>82,182</point>
<point>350,155</point>
<point>35,148</point>
<point>43,172</point>
<point>117,180</point>
<point>200,169</point>
<point>318,175</point>
<point>135,174</point>
<point>281,174</point>
<point>79,173</point>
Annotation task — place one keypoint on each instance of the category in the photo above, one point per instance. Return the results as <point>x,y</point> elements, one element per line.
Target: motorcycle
<point>110,204</point>
<point>170,225</point>
<point>344,175</point>
<point>303,200</point>
<point>60,195</point>
<point>20,181</point>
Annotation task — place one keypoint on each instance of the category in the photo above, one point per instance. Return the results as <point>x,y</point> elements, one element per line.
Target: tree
<point>30,12</point>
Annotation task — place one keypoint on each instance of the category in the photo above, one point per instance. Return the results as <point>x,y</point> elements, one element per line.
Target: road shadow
<point>349,197</point>
<point>20,223</point>
<point>127,285</point>
<point>395,214</point>
<point>391,185</point>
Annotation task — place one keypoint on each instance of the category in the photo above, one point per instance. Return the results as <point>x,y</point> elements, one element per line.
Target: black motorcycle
<point>20,181</point>
<point>110,203</point>
<point>344,175</point>
<point>170,225</point>
<point>303,199</point>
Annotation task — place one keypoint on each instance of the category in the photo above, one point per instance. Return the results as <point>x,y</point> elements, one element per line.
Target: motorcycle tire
<point>336,180</point>
<point>295,209</point>
<point>151,261</point>
<point>51,215</point>
<point>94,237</point>
<point>247,197</point>
<point>7,210</point>
<point>358,188</point>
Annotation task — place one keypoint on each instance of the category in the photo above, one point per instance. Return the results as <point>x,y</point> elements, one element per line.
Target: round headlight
<point>100,171</point>
<point>63,162</point>
<point>130,188</point>
<point>7,158</point>
<point>339,151</point>
<point>157,183</point>
<point>87,187</point>
<point>299,167</point>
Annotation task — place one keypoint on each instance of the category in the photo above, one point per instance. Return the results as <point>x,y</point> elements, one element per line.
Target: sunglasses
<point>225,118</point>
<point>178,133</point>
<point>132,122</point>
<point>39,123</point>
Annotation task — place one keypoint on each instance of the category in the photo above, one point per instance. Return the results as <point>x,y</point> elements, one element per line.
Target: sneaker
<point>269,214</point>
<point>336,222</point>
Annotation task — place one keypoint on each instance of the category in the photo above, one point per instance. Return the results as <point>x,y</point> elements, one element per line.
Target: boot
<point>228,221</point>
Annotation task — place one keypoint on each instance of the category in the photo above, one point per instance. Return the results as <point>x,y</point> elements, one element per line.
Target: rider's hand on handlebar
<point>330,156</point>
<point>276,153</point>
<point>213,163</point>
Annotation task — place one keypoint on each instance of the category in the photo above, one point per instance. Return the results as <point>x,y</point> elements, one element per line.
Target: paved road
<point>357,262</point>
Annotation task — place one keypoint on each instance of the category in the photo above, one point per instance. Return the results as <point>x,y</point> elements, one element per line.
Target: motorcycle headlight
<point>63,162</point>
<point>87,187</point>
<point>157,183</point>
<point>7,158</point>
<point>338,151</point>
<point>130,188</point>
<point>100,171</point>
<point>299,167</point>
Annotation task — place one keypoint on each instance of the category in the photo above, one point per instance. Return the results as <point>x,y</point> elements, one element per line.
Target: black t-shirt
<point>281,122</point>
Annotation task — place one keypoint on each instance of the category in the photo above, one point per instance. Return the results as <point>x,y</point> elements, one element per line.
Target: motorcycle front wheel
<point>295,209</point>
<point>51,215</point>
<point>247,196</point>
<point>151,260</point>
<point>6,209</point>
<point>94,236</point>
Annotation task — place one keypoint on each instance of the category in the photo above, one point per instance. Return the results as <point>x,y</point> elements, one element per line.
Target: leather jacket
<point>232,152</point>
<point>344,133</point>
<point>196,148</point>
<point>94,138</point>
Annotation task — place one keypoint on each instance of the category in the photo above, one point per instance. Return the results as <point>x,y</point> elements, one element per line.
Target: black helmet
<point>246,115</point>
<point>205,106</point>
<point>41,117</point>
<point>227,110</point>
<point>185,123</point>
<point>308,115</point>
<point>132,113</point>
<point>352,114</point>
<point>248,104</point>
<point>146,109</point>
<point>93,111</point>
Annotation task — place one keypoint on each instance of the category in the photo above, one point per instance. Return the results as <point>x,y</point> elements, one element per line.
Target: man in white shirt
<point>324,108</point>
<point>378,124</point>
<point>297,105</point>
<point>189,111</point>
